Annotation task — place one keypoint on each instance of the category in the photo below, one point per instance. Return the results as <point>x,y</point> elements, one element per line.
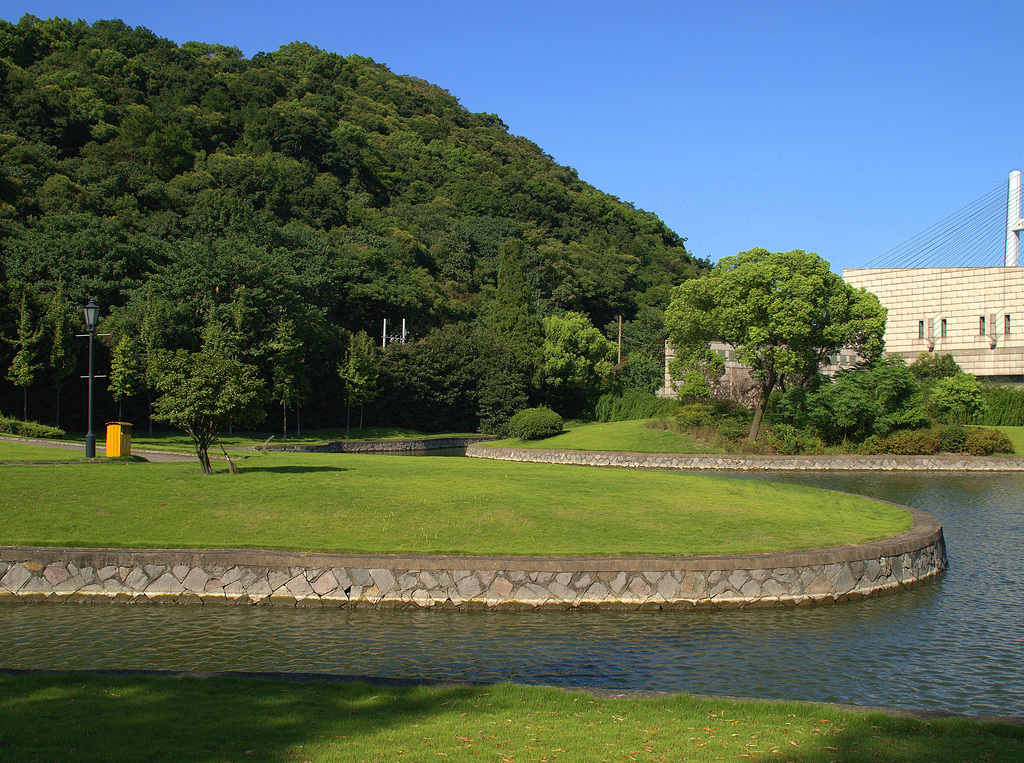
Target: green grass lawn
<point>392,504</point>
<point>22,451</point>
<point>625,436</point>
<point>128,718</point>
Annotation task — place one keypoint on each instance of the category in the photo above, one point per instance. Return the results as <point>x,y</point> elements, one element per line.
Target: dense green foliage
<point>535,424</point>
<point>784,312</point>
<point>21,428</point>
<point>632,404</point>
<point>288,200</point>
<point>1004,406</point>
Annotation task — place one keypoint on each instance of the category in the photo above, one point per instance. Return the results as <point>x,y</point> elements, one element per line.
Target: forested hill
<point>299,183</point>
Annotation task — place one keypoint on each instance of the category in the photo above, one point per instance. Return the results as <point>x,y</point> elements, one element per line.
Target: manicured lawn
<point>20,451</point>
<point>425,505</point>
<point>127,718</point>
<point>625,436</point>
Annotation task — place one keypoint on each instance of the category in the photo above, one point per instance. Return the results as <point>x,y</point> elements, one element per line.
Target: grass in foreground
<point>121,718</point>
<point>423,505</point>
<point>624,436</point>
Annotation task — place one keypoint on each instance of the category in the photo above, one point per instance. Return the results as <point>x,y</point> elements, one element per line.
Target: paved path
<point>101,449</point>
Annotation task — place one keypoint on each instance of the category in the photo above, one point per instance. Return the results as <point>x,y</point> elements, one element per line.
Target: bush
<point>1004,406</point>
<point>695,415</point>
<point>30,429</point>
<point>632,404</point>
<point>912,442</point>
<point>985,442</point>
<point>953,439</point>
<point>732,429</point>
<point>790,441</point>
<point>535,424</point>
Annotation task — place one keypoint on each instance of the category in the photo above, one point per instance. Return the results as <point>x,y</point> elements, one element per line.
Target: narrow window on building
<point>1006,325</point>
<point>981,326</point>
<point>942,329</point>
<point>920,329</point>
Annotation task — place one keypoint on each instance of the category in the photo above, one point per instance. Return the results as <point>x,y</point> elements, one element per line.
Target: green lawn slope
<point>424,505</point>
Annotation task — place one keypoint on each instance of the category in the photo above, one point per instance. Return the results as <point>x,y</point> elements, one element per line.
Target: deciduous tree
<point>785,313</point>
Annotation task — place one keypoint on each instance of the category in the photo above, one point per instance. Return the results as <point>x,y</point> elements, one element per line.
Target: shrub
<point>953,439</point>
<point>958,399</point>
<point>632,404</point>
<point>912,442</point>
<point>790,441</point>
<point>1004,406</point>
<point>985,442</point>
<point>732,429</point>
<point>30,429</point>
<point>695,415</point>
<point>535,424</point>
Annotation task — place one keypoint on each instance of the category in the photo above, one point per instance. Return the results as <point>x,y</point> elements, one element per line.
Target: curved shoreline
<point>279,578</point>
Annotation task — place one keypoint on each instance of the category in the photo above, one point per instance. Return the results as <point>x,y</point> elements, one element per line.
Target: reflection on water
<point>953,645</point>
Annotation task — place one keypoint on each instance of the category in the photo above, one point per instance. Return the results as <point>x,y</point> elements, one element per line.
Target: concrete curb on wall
<point>330,580</point>
<point>945,462</point>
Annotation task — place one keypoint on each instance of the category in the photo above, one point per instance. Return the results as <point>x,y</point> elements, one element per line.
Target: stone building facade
<point>974,314</point>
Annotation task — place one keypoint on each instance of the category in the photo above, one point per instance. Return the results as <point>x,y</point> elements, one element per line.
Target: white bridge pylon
<point>1014,221</point>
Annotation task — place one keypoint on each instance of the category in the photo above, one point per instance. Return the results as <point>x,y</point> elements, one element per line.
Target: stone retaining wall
<point>383,446</point>
<point>285,579</point>
<point>945,462</point>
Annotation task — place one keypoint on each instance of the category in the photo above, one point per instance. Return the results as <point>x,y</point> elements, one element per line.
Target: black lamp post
<point>92,316</point>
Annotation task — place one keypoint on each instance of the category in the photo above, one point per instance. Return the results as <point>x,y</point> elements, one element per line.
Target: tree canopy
<point>296,197</point>
<point>784,313</point>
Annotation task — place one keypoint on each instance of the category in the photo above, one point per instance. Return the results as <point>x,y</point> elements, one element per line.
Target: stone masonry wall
<point>284,579</point>
<point>944,462</point>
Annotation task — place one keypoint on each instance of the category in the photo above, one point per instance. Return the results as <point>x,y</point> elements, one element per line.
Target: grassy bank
<point>121,718</point>
<point>624,436</point>
<point>422,505</point>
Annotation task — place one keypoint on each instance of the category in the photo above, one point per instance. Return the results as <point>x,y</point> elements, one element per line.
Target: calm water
<point>955,645</point>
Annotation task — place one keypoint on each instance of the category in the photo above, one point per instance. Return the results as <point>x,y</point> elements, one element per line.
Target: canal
<point>955,645</point>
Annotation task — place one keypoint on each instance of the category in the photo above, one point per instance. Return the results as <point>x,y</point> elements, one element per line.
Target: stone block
<point>500,588</point>
<point>324,584</point>
<point>55,574</point>
<point>468,587</point>
<point>136,579</point>
<point>299,587</point>
<point>195,580</point>
<point>278,578</point>
<point>180,571</point>
<point>384,580</point>
<point>105,573</point>
<point>15,578</point>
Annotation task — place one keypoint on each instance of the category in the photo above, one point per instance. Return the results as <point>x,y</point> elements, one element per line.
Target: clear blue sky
<point>843,128</point>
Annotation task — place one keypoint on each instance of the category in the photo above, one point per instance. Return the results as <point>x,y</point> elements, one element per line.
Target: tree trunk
<point>766,390</point>
<point>284,425</point>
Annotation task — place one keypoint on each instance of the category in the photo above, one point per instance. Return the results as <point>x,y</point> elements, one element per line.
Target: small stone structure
<point>287,579</point>
<point>944,463</point>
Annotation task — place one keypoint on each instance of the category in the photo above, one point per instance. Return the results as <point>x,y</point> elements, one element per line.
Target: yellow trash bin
<point>119,439</point>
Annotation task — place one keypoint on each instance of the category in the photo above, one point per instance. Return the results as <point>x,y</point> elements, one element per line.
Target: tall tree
<point>513,315</point>
<point>578,363</point>
<point>359,373</point>
<point>785,313</point>
<point>62,350</point>
<point>22,371</point>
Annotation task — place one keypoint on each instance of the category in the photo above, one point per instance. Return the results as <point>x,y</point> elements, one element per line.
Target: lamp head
<point>92,315</point>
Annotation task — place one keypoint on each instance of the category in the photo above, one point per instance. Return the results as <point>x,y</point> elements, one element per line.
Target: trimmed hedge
<point>535,424</point>
<point>30,429</point>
